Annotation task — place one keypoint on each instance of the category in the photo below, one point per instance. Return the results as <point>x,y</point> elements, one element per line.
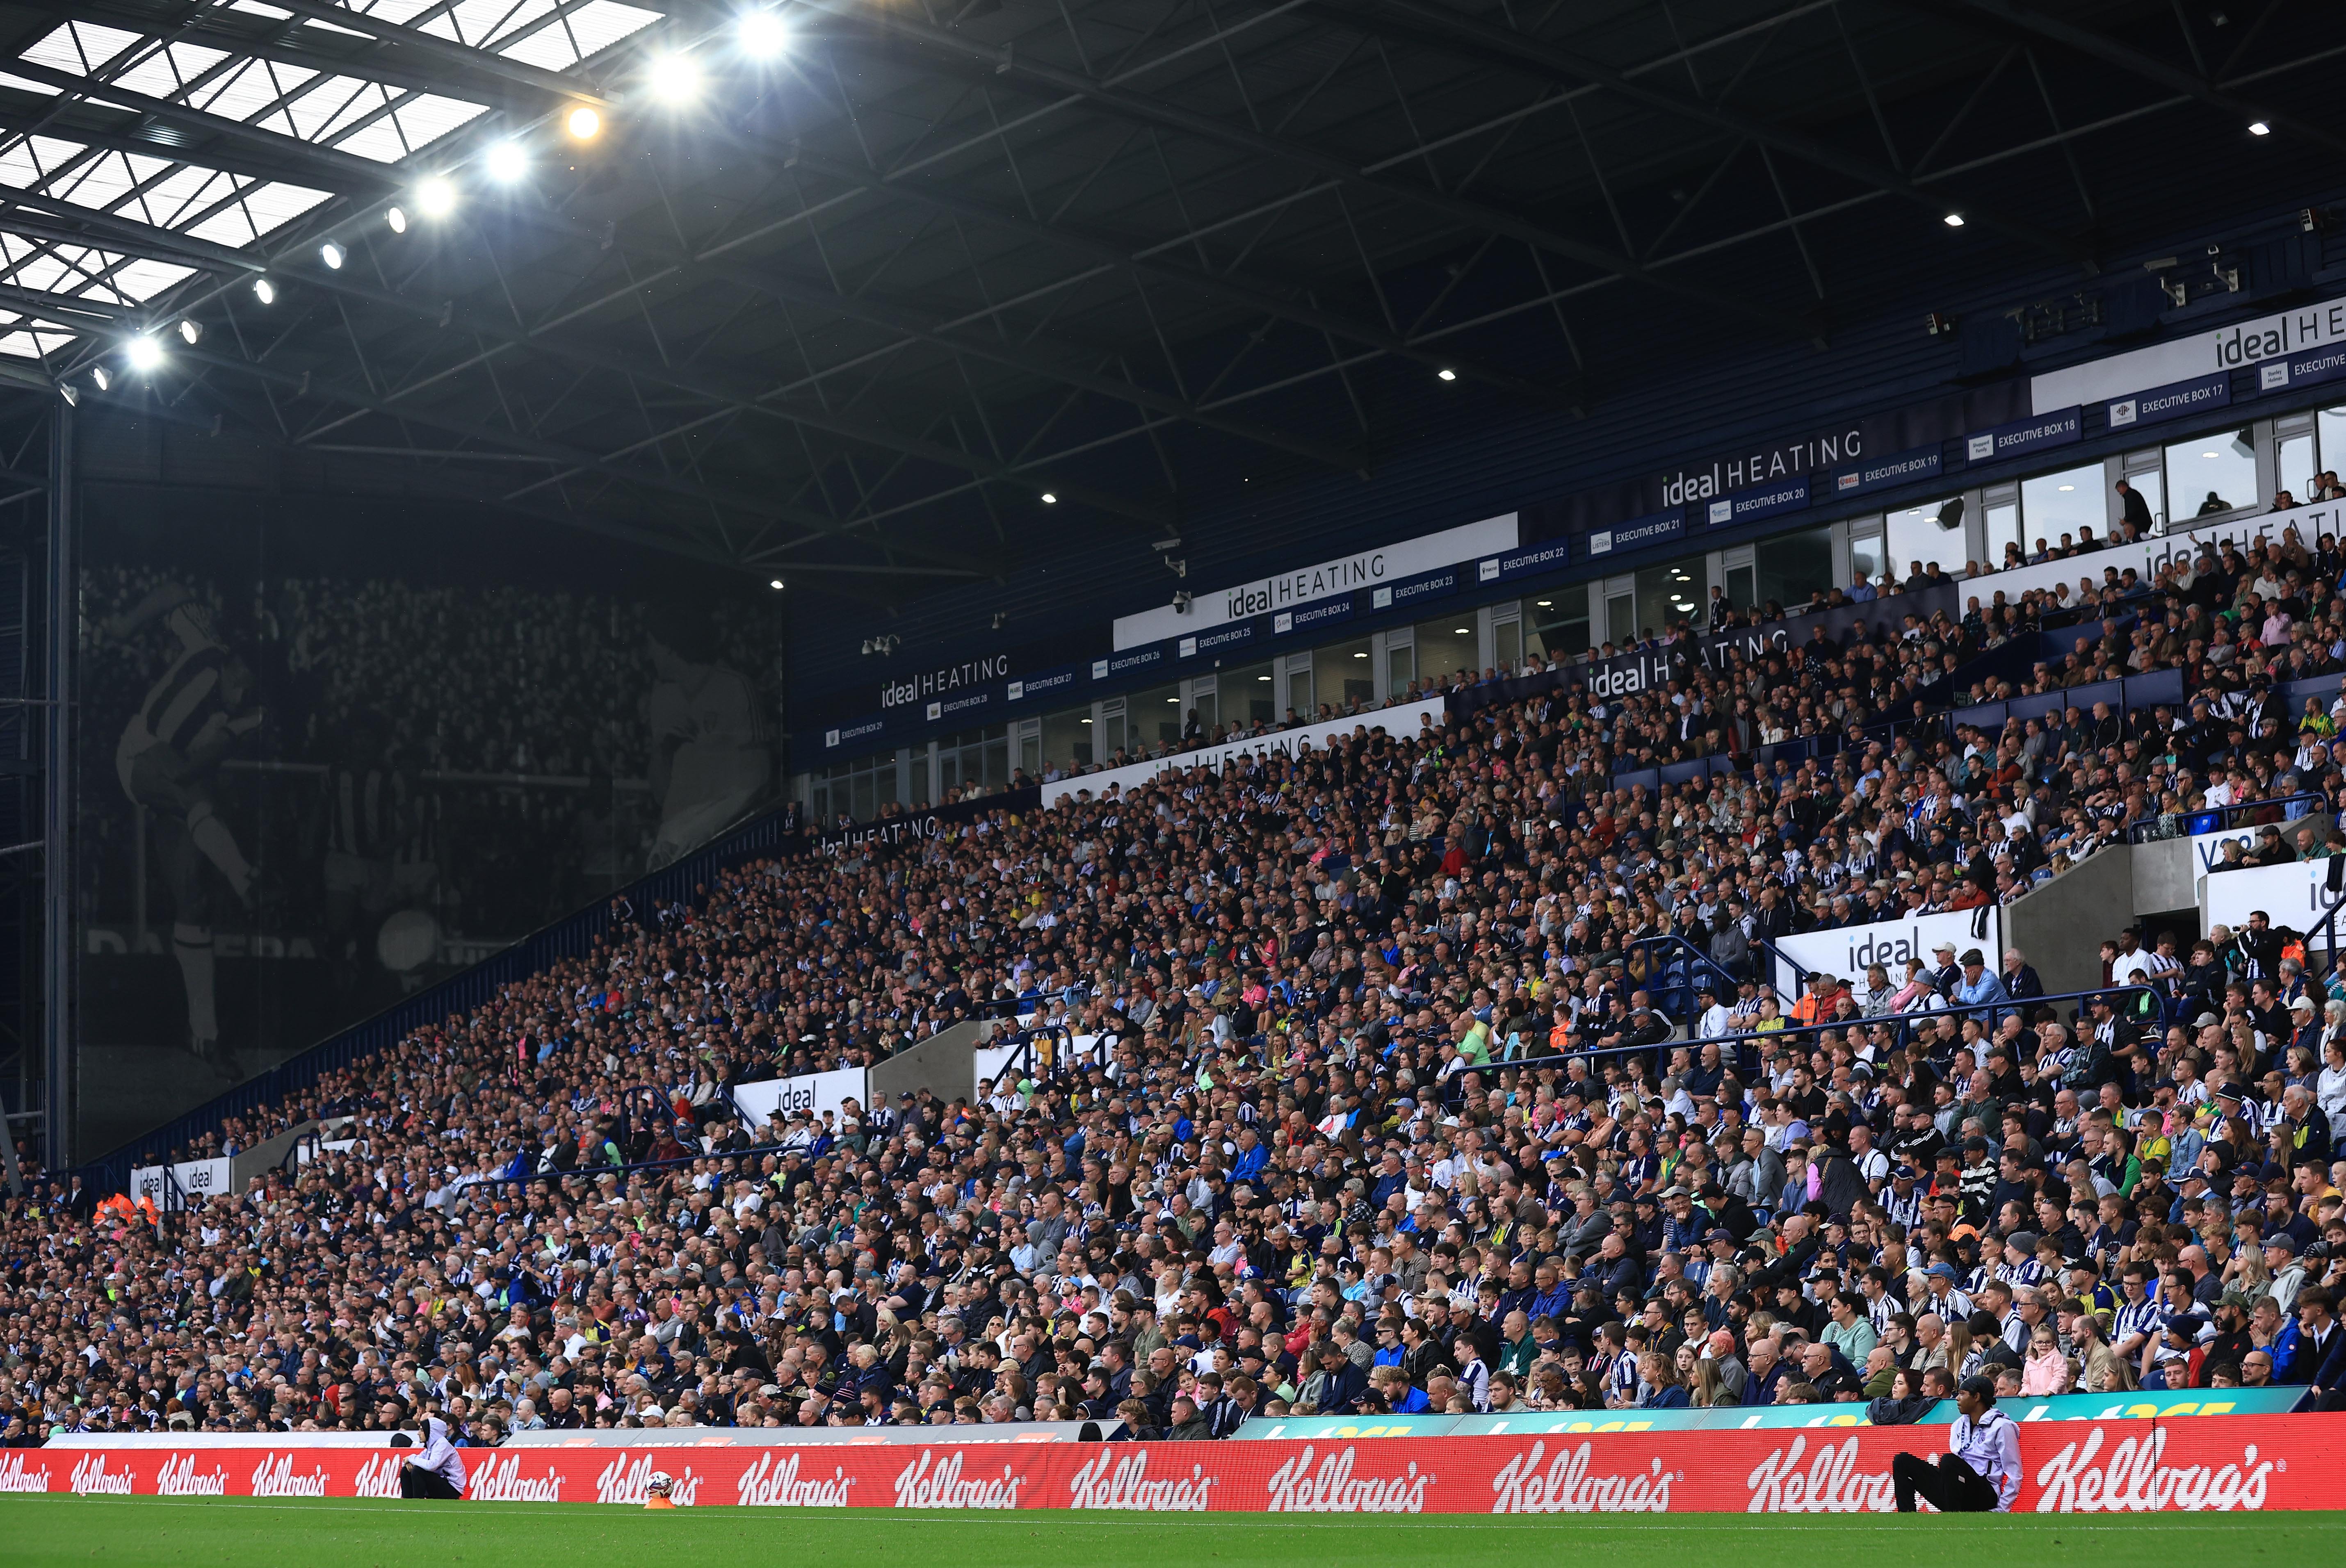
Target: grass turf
<point>192,1531</point>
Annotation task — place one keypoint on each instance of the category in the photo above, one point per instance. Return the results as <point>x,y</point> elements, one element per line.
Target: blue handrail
<point>2223,817</point>
<point>1746,1047</point>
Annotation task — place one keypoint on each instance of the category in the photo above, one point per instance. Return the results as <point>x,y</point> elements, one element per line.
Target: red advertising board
<point>2119,1466</point>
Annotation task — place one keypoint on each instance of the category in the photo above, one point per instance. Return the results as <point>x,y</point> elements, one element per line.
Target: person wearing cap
<point>1977,986</point>
<point>1713,1021</point>
<point>1980,1471</point>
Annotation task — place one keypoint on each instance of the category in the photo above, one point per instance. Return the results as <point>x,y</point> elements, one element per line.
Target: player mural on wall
<point>712,749</point>
<point>169,752</point>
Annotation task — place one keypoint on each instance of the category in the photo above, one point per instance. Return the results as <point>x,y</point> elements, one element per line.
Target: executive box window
<point>2005,533</point>
<point>1341,673</point>
<point>2306,446</point>
<point>1675,591</point>
<point>1067,739</point>
<point>1153,717</point>
<point>974,759</point>
<point>1555,627</point>
<point>2211,472</point>
<point>1447,646</point>
<point>1866,561</point>
<point>1788,567</point>
<point>857,789</point>
<point>1915,539</point>
<point>1249,695</point>
<point>2052,505</point>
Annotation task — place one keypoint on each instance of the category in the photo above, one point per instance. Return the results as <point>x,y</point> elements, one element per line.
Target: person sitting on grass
<point>1980,1471</point>
<point>437,1474</point>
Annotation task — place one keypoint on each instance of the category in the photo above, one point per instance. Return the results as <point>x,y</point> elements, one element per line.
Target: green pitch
<point>194,1532</point>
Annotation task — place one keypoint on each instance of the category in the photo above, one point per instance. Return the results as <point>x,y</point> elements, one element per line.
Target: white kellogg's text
<point>767,1485</point>
<point>179,1478</point>
<point>920,1486</point>
<point>1566,1487</point>
<point>1831,1484</point>
<point>1296,1488</point>
<point>378,1476</point>
<point>90,1475</point>
<point>15,1477</point>
<point>274,1477</point>
<point>502,1481</point>
<point>2136,1481</point>
<point>1114,1481</point>
<point>629,1481</point>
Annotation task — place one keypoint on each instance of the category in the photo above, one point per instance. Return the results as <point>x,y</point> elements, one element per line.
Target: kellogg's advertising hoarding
<point>2195,1463</point>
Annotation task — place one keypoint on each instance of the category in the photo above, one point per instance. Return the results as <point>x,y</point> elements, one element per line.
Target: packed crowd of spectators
<point>1383,1117</point>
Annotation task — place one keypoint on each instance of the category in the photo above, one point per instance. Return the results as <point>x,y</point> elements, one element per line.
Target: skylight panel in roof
<point>166,72</point>
<point>329,108</point>
<point>142,278</point>
<point>255,211</point>
<point>562,43</point>
<point>305,104</point>
<point>81,47</point>
<point>531,31</point>
<point>476,23</point>
<point>27,163</point>
<point>426,118</point>
<point>34,345</point>
<point>53,271</point>
<point>274,202</point>
<point>100,182</point>
<point>21,85</point>
<point>242,92</point>
<point>600,24</point>
<point>178,197</point>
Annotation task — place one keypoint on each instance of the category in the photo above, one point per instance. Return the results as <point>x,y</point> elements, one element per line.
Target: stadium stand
<point>1432,1072</point>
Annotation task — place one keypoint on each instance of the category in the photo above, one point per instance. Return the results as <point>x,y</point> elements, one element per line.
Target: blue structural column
<point>64,624</point>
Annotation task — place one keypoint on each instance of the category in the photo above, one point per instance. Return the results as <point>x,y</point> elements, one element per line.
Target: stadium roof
<point>876,293</point>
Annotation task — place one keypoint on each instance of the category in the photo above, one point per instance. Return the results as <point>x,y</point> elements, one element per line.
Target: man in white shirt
<point>1980,1471</point>
<point>1716,1022</point>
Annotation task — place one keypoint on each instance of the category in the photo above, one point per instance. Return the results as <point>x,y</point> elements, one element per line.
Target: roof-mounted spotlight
<point>264,291</point>
<point>435,195</point>
<point>143,354</point>
<point>1446,374</point>
<point>102,376</point>
<point>1050,498</point>
<point>1955,220</point>
<point>332,255</point>
<point>506,162</point>
<point>70,392</point>
<point>674,78</point>
<point>190,330</point>
<point>397,218</point>
<point>583,123</point>
<point>763,34</point>
<point>2259,128</point>
<point>775,585</point>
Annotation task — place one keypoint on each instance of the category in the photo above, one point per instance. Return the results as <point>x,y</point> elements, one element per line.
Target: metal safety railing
<point>1745,1052</point>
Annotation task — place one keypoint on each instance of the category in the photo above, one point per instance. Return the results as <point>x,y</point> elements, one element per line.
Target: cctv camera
<point>1163,546</point>
<point>1181,602</point>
